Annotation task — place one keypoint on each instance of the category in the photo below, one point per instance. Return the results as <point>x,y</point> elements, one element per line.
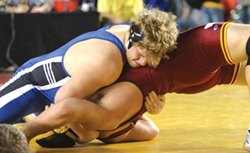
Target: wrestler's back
<point>196,65</point>
<point>196,61</point>
<point>90,52</point>
<point>77,60</point>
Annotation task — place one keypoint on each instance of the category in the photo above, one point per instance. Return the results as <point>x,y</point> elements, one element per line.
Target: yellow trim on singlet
<point>237,69</point>
<point>223,42</point>
<point>213,5</point>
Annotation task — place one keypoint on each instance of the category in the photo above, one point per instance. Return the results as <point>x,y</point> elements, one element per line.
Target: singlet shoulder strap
<point>112,38</point>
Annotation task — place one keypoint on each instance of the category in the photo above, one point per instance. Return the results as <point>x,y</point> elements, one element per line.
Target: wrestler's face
<point>136,56</point>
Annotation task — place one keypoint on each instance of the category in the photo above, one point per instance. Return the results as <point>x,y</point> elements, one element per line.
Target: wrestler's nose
<point>143,61</point>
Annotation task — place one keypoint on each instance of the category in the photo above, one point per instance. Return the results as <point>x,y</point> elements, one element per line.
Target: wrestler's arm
<point>71,110</point>
<point>248,76</point>
<point>96,72</point>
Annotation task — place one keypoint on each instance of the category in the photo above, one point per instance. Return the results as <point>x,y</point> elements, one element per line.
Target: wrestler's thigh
<point>123,99</point>
<point>237,36</point>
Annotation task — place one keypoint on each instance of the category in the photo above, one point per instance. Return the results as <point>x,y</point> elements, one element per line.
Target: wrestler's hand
<point>154,104</point>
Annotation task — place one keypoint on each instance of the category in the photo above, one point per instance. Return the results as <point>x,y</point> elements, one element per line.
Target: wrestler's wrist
<point>25,134</point>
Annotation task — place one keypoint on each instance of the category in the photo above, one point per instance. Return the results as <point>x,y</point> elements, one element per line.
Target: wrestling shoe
<point>246,145</point>
<point>62,137</point>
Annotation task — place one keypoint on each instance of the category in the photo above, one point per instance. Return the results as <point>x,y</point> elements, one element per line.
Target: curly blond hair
<point>12,140</point>
<point>159,31</point>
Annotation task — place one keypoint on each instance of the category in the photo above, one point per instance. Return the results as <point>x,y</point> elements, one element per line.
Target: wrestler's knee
<point>248,73</point>
<point>154,131</point>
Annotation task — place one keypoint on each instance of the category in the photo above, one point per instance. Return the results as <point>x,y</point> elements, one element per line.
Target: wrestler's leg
<point>246,144</point>
<point>248,74</point>
<point>241,80</point>
<point>143,130</point>
<point>237,37</point>
<point>19,107</point>
<point>122,100</point>
<point>18,98</point>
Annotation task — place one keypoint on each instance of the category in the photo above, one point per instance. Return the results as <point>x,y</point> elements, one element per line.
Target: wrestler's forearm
<point>71,110</point>
<point>50,119</point>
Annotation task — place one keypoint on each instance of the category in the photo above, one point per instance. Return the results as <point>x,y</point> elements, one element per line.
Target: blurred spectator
<point>245,11</point>
<point>118,11</point>
<point>87,5</point>
<point>229,5</point>
<point>161,4</point>
<point>196,13</point>
<point>212,11</point>
<point>195,4</point>
<point>171,7</point>
<point>184,20</point>
<point>24,6</point>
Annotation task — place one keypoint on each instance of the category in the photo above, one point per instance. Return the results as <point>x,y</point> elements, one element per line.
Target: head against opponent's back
<point>153,33</point>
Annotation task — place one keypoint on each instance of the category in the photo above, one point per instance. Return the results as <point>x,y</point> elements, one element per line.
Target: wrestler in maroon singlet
<point>200,62</point>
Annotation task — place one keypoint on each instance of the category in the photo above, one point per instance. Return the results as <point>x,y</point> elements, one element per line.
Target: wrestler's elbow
<point>61,96</point>
<point>58,98</point>
<point>64,109</point>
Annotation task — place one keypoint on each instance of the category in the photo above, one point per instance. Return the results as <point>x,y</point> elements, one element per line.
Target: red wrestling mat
<point>5,77</point>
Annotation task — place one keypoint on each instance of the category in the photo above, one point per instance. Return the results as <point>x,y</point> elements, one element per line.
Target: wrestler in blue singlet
<point>35,83</point>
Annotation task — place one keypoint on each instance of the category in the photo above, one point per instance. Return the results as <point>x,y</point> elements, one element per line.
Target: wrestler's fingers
<point>162,98</point>
<point>148,105</point>
<point>159,101</point>
<point>147,108</point>
<point>156,102</point>
<point>155,99</point>
<point>162,102</point>
<point>151,107</point>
